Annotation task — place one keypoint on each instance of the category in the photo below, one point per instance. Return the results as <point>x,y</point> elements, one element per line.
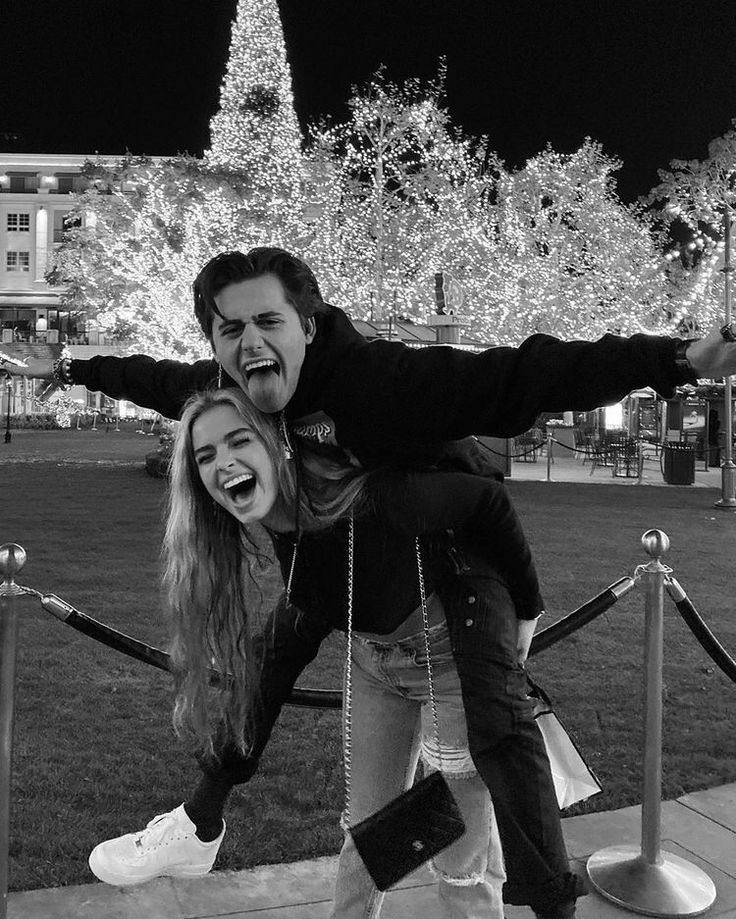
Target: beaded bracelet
<point>61,372</point>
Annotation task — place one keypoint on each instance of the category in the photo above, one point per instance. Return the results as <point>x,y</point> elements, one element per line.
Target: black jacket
<point>396,405</point>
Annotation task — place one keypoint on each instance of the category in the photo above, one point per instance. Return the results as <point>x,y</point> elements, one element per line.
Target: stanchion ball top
<point>656,543</point>
<point>12,559</point>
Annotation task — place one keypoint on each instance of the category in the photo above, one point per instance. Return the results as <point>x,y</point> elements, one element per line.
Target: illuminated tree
<point>578,262</point>
<point>698,194</point>
<point>147,229</point>
<point>393,196</point>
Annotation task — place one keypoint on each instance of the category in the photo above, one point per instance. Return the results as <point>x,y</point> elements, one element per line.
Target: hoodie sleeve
<point>163,386</point>
<point>385,391</point>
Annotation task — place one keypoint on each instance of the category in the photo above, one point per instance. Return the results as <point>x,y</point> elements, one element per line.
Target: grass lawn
<point>94,754</point>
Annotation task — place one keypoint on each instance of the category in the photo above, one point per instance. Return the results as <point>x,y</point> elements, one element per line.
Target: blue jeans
<point>391,726</point>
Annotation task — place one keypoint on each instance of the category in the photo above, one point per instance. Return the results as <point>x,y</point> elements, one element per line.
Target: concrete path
<point>701,828</point>
<point>569,467</point>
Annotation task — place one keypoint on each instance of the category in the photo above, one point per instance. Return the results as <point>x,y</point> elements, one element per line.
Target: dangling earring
<point>288,449</point>
<point>219,375</point>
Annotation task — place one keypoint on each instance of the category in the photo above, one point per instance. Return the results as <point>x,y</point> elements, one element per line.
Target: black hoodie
<point>392,404</point>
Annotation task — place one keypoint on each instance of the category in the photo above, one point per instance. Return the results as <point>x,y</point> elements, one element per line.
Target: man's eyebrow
<point>266,314</point>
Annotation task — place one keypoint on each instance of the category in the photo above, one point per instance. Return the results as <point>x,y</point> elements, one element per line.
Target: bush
<point>158,461</point>
<point>44,421</point>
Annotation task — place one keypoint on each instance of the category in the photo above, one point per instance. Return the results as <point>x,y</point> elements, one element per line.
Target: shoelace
<point>155,831</point>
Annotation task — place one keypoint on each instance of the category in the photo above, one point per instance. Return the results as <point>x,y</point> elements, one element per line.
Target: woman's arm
<point>289,642</point>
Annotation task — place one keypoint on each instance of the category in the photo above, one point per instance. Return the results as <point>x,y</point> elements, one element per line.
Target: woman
<point>229,471</point>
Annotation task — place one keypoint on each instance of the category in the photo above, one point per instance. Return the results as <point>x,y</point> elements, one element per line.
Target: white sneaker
<point>167,847</point>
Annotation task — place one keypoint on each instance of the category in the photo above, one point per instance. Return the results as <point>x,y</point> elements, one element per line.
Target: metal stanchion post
<point>728,469</point>
<point>12,559</point>
<point>651,881</point>
<point>549,457</point>
<point>8,393</point>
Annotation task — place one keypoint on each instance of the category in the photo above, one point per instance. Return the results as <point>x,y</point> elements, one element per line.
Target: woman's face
<point>234,464</point>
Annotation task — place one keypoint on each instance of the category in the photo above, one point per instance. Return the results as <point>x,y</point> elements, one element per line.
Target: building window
<point>23,181</point>
<point>18,261</point>
<point>63,223</point>
<point>65,184</point>
<point>19,223</point>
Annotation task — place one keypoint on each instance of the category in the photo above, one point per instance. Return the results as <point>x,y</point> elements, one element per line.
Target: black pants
<point>506,744</point>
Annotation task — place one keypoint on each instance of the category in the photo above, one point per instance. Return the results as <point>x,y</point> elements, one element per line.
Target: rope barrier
<point>712,647</point>
<point>581,616</point>
<point>311,698</point>
<point>147,654</point>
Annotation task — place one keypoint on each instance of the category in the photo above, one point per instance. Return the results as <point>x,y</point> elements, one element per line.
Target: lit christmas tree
<point>149,226</point>
<point>256,132</point>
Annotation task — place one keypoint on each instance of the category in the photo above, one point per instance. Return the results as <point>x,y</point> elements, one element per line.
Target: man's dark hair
<point>299,283</point>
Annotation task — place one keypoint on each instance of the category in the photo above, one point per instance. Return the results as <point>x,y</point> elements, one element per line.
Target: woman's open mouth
<point>240,489</point>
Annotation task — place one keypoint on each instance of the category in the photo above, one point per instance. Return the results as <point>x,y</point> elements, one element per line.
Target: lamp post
<point>728,470</point>
<point>8,390</point>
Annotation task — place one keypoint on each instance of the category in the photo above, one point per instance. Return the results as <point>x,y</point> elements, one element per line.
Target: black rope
<point>712,647</point>
<point>308,698</point>
<point>118,641</point>
<point>580,617</point>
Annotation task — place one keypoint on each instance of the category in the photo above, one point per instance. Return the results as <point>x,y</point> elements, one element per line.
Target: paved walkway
<point>569,467</point>
<point>700,828</point>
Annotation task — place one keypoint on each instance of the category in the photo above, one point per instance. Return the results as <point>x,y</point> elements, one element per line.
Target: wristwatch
<point>685,373</point>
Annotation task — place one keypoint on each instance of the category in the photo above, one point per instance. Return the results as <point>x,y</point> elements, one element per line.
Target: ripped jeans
<point>391,725</point>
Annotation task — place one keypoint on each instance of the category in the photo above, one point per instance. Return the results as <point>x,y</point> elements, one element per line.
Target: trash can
<point>678,467</point>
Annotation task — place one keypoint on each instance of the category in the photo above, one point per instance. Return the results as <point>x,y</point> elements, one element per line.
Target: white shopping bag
<point>574,780</point>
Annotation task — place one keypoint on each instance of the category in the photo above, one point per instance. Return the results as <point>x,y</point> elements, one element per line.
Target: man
<point>383,403</point>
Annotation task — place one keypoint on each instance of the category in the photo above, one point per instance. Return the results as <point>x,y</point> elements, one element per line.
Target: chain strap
<point>348,728</point>
<point>291,571</point>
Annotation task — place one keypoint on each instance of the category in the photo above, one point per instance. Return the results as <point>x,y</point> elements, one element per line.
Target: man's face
<point>260,340</point>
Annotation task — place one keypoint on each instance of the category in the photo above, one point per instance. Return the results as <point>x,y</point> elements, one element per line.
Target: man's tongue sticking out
<point>265,389</point>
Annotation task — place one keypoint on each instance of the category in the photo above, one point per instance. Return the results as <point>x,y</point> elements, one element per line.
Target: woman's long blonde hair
<point>211,566</point>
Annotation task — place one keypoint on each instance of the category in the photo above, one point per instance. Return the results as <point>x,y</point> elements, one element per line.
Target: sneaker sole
<point>101,872</point>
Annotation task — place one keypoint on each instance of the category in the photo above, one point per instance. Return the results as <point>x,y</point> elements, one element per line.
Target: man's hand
<point>36,368</point>
<point>713,356</point>
<point>527,627</point>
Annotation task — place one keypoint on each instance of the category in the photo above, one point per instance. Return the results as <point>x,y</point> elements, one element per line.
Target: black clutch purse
<point>414,827</point>
<point>408,831</point>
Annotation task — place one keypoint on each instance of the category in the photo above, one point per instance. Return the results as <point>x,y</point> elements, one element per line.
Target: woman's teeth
<point>238,486</point>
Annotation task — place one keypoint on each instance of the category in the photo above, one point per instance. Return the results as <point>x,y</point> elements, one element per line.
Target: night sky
<point>650,80</point>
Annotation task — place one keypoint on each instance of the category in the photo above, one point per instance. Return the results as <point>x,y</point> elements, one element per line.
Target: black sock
<point>206,806</point>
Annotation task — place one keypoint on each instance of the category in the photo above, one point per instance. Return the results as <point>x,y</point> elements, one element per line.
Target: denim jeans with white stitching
<point>391,725</point>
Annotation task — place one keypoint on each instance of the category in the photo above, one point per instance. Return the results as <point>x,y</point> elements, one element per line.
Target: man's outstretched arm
<point>163,386</point>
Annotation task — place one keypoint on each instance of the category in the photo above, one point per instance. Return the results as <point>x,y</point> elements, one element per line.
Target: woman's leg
<point>385,749</point>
